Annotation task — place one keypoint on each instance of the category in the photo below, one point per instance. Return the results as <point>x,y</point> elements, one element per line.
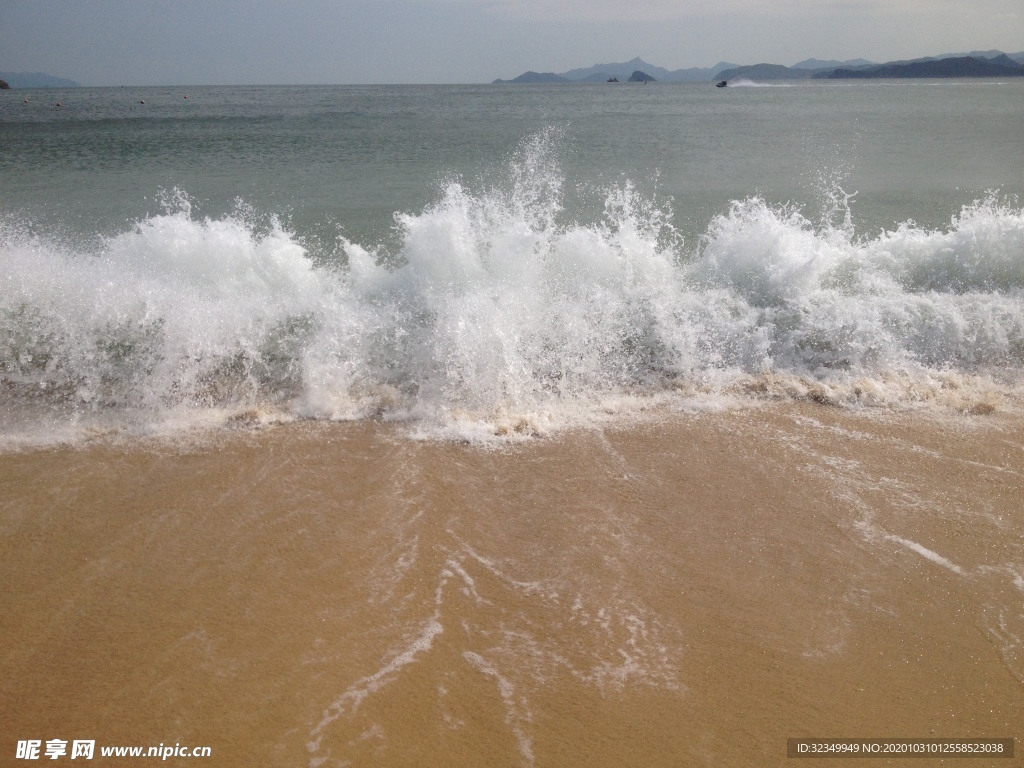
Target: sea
<point>466,259</point>
<point>518,425</point>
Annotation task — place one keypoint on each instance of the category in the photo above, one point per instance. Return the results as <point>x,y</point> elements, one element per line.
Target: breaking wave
<point>499,311</point>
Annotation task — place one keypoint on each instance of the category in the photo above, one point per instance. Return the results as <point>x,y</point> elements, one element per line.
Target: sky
<point>238,42</point>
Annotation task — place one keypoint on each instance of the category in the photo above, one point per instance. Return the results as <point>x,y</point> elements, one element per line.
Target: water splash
<point>498,308</point>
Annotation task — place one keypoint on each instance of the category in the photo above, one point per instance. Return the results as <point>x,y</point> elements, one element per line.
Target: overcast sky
<point>198,42</point>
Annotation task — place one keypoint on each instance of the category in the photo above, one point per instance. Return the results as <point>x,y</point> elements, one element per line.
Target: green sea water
<point>354,155</point>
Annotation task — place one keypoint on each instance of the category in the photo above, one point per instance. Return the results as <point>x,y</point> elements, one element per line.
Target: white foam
<point>500,314</point>
<point>517,713</point>
<point>745,82</point>
<point>926,553</point>
<point>350,700</point>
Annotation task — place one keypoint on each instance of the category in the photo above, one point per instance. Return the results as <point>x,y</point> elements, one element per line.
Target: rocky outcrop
<point>641,77</point>
<point>3,85</point>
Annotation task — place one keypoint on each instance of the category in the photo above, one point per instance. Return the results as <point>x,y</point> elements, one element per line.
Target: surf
<point>499,311</point>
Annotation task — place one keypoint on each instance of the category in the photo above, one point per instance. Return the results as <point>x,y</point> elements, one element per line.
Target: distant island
<point>977,64</point>
<point>604,73</point>
<point>963,66</point>
<point>36,80</point>
<point>640,77</point>
<point>973,64</point>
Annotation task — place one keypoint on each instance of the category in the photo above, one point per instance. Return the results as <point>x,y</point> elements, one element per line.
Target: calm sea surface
<point>353,155</point>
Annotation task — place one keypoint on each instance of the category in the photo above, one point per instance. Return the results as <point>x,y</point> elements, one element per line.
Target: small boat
<point>722,84</point>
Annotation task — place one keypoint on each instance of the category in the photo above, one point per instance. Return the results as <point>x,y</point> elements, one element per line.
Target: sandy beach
<point>692,589</point>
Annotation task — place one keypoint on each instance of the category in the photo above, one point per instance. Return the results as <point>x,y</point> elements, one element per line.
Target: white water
<point>502,314</point>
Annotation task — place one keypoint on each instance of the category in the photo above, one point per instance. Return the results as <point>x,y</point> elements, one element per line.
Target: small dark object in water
<point>613,79</point>
<point>722,84</point>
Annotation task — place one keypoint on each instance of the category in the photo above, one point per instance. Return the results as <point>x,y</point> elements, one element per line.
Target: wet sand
<point>687,591</point>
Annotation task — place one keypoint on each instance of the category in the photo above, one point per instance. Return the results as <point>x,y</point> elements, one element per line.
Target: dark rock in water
<point>3,85</point>
<point>640,77</point>
<point>613,79</point>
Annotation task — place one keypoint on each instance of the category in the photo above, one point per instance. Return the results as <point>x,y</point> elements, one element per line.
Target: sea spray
<point>498,307</point>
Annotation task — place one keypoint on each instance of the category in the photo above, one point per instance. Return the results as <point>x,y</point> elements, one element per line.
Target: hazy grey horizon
<point>240,42</point>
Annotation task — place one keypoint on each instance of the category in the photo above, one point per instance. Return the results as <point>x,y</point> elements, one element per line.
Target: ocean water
<point>479,261</point>
<point>511,426</point>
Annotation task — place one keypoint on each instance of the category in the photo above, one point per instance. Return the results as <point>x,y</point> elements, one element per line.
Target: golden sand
<point>690,591</point>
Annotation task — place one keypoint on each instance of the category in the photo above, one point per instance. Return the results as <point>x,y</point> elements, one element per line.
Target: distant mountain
<point>37,80</point>
<point>995,65</point>
<point>993,55</point>
<point>962,66</point>
<point>536,77</point>
<point>976,64</point>
<point>973,54</point>
<point>697,74</point>
<point>832,64</point>
<point>1005,61</point>
<point>767,72</point>
<point>622,71</point>
<point>602,73</point>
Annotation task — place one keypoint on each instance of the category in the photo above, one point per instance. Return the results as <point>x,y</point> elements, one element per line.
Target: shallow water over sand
<point>689,590</point>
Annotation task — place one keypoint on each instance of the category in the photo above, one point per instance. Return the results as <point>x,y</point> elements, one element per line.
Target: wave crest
<point>496,303</point>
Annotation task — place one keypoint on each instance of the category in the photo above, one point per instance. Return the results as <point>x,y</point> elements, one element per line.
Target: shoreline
<point>692,590</point>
